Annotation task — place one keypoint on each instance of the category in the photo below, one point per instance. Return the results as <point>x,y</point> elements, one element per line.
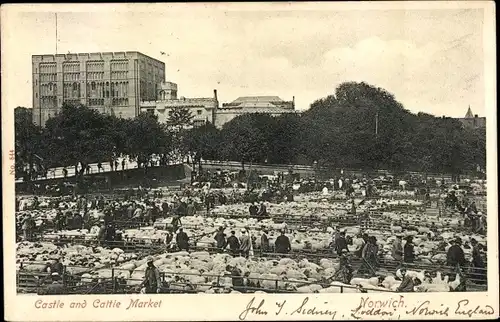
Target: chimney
<point>475,115</point>
<point>215,94</point>
<point>293,102</point>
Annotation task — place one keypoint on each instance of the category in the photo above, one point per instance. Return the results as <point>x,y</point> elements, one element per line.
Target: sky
<point>431,60</point>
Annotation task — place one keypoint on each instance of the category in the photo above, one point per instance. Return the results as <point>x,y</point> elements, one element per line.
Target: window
<point>93,86</point>
<point>36,95</point>
<point>75,86</point>
<point>107,94</point>
<point>199,112</point>
<point>36,82</point>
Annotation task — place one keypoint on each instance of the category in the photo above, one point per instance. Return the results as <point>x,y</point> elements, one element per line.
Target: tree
<point>203,143</point>
<point>79,135</point>
<point>145,137</point>
<point>179,117</point>
<point>246,138</point>
<point>27,142</point>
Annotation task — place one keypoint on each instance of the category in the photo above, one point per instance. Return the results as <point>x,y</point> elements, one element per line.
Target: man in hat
<point>341,243</point>
<point>262,213</point>
<point>182,240</point>
<point>57,266</point>
<point>345,269</point>
<point>407,284</point>
<point>397,248</point>
<point>152,280</point>
<point>264,241</point>
<point>220,239</point>
<point>282,244</point>
<point>409,250</point>
<point>101,235</point>
<point>253,210</point>
<point>455,256</point>
<point>245,244</point>
<point>28,227</point>
<point>56,287</point>
<point>234,243</point>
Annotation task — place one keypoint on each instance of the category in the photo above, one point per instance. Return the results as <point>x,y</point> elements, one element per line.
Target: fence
<point>175,282</point>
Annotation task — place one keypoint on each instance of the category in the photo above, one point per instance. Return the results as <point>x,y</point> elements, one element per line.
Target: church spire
<point>469,114</point>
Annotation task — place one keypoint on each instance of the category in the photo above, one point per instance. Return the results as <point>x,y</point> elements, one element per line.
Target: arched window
<point>93,86</point>
<point>75,86</point>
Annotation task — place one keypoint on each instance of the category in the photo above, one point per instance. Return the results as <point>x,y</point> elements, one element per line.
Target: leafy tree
<point>246,138</point>
<point>179,117</point>
<point>79,134</point>
<point>145,137</point>
<point>27,142</point>
<point>203,143</point>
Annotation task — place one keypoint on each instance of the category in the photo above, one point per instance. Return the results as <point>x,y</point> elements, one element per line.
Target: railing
<point>30,282</point>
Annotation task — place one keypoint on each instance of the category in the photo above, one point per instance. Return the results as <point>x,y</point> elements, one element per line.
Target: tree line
<point>359,126</point>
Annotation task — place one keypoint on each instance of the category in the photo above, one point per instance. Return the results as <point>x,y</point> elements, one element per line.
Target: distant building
<point>473,120</point>
<point>202,108</point>
<point>110,82</point>
<point>253,104</point>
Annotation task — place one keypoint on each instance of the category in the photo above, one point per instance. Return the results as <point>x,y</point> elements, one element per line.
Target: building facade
<point>110,82</point>
<point>272,105</point>
<point>473,120</point>
<point>203,108</point>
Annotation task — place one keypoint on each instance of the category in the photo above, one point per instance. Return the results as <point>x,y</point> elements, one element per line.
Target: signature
<point>308,310</point>
<point>251,309</point>
<point>377,308</point>
<point>464,309</point>
<point>425,309</point>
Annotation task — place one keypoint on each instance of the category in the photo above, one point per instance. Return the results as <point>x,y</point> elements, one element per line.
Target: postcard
<point>249,161</point>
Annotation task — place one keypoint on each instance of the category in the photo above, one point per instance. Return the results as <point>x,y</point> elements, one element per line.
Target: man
<point>111,164</point>
<point>236,277</point>
<point>364,241</point>
<point>57,267</point>
<point>59,220</point>
<point>264,242</point>
<point>344,274</point>
<point>369,255</point>
<point>409,251</point>
<point>245,244</point>
<point>56,287</point>
<point>155,213</point>
<point>234,243</point>
<point>282,244</point>
<point>99,167</point>
<point>116,165</point>
<point>152,280</point>
<point>65,173</point>
<point>123,164</point>
<point>253,210</point>
<point>341,244</point>
<point>101,235</point>
<point>168,239</point>
<point>77,222</point>
<point>28,228</point>
<point>262,213</point>
<point>397,249</point>
<point>138,213</point>
<point>455,256</point>
<point>182,240</point>
<point>407,284</point>
<point>220,239</point>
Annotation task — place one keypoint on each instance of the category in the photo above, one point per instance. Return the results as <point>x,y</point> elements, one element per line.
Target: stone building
<point>473,120</point>
<point>253,104</point>
<point>110,82</point>
<point>202,108</point>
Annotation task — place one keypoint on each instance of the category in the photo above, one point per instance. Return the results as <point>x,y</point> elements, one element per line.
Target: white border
<point>228,307</point>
